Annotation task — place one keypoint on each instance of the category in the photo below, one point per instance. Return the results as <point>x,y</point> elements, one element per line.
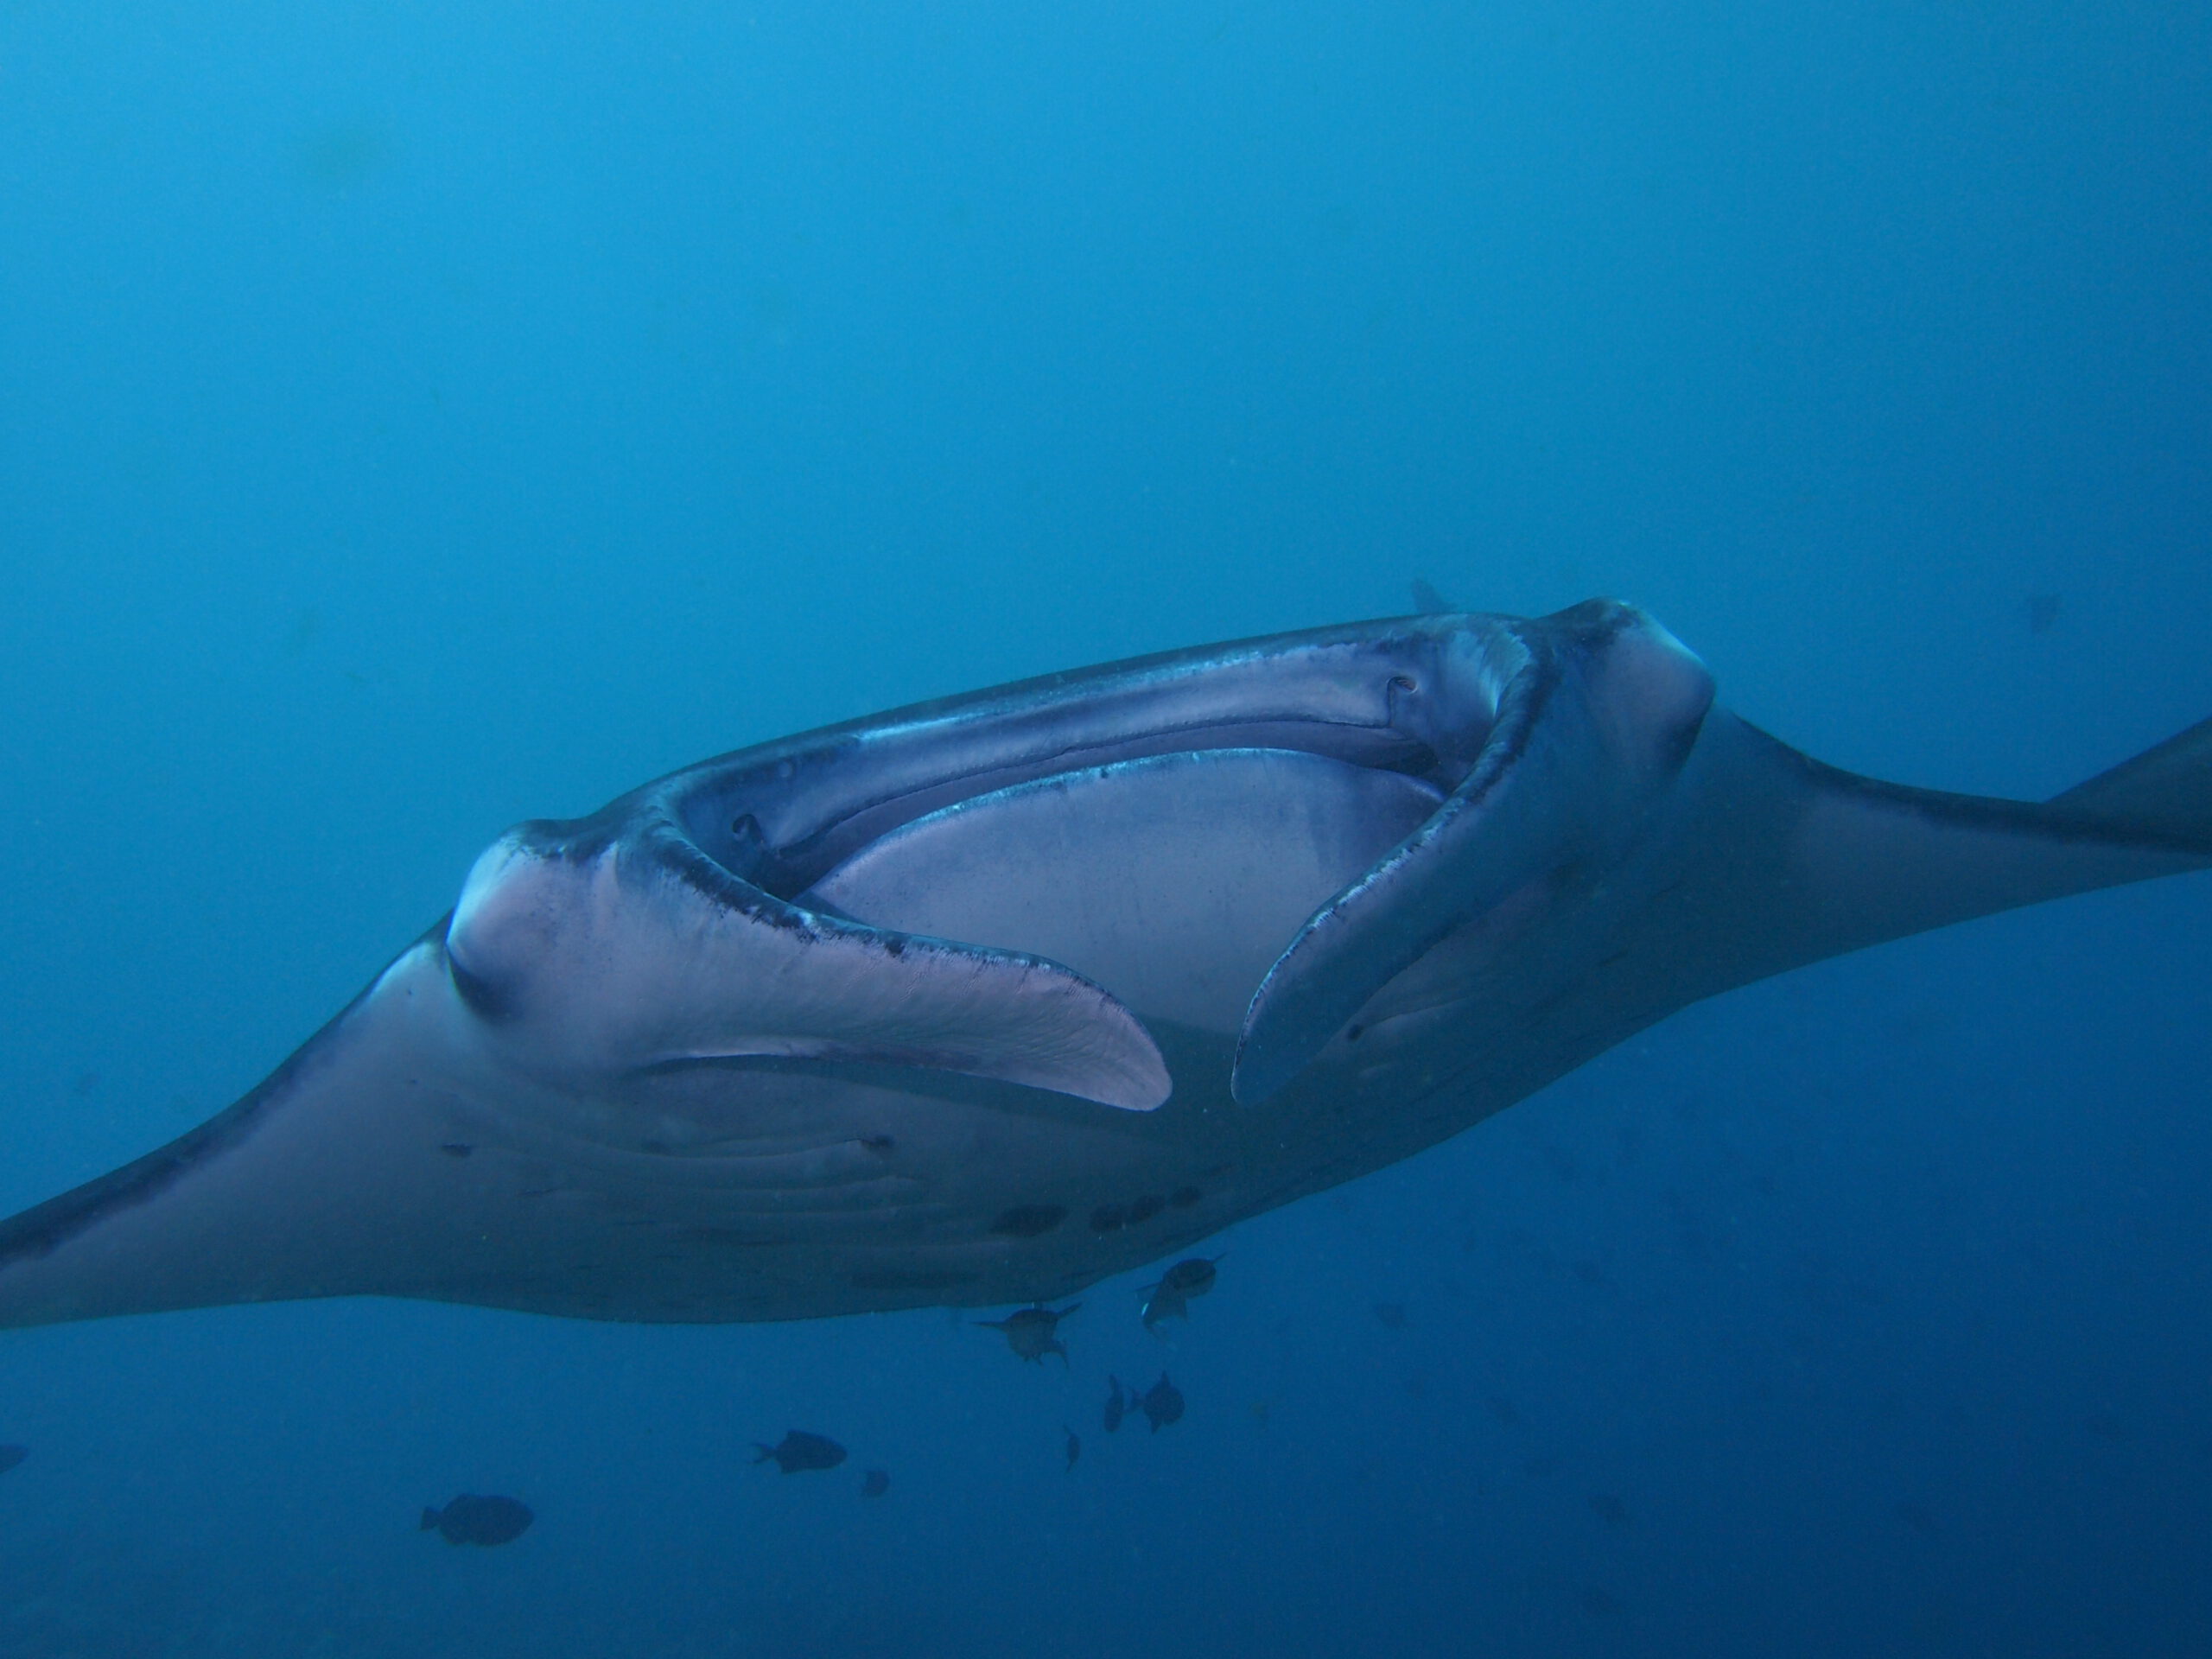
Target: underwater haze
<point>416,418</point>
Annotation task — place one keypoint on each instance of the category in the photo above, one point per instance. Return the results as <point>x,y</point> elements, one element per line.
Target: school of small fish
<point>488,1520</point>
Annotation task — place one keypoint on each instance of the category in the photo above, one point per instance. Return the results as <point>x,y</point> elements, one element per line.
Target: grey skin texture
<point>980,1001</point>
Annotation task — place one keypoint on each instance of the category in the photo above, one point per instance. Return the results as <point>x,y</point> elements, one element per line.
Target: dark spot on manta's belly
<point>1112,1218</point>
<point>1029,1220</point>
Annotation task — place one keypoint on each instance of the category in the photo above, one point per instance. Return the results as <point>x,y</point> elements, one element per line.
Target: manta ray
<point>984,1000</point>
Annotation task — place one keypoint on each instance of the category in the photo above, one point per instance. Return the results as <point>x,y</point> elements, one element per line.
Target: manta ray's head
<point>762,907</point>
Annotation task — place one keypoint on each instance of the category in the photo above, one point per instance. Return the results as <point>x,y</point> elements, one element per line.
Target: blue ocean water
<point>415,418</point>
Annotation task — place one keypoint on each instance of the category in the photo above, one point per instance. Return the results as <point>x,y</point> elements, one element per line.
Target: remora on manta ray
<point>982,1001</point>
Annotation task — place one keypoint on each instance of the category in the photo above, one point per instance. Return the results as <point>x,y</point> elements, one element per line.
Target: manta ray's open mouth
<point>1175,881</point>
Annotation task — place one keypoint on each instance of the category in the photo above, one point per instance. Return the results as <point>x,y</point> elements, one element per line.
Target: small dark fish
<point>484,1521</point>
<point>1075,1446</point>
<point>1169,1299</point>
<point>1162,1404</point>
<point>1117,1404</point>
<point>2042,612</point>
<point>874,1483</point>
<point>1393,1314</point>
<point>1609,1508</point>
<point>1030,1332</point>
<point>801,1451</point>
<point>12,1455</point>
<point>1163,1304</point>
<point>1193,1277</point>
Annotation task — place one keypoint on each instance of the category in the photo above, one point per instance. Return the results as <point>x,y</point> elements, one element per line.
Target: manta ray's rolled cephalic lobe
<point>982,1001</point>
<point>592,965</point>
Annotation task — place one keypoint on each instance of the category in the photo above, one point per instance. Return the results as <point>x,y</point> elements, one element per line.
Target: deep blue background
<point>415,417</point>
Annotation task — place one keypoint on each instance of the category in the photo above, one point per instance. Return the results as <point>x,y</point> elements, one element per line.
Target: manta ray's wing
<point>346,1171</point>
<point>1759,860</point>
<point>2165,791</point>
<point>1779,861</point>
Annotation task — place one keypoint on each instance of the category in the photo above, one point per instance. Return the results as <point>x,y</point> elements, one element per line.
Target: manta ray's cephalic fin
<point>1591,731</point>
